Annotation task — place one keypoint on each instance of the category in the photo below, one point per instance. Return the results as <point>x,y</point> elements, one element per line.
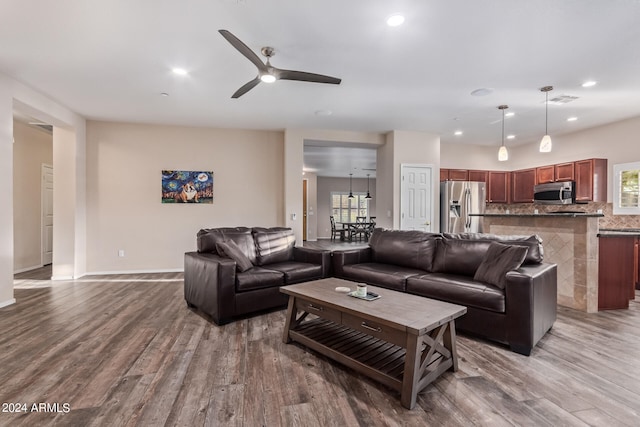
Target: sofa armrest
<point>531,296</point>
<point>348,257</point>
<point>314,256</point>
<point>209,285</point>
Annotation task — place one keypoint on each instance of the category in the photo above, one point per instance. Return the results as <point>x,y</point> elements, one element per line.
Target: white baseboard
<point>7,303</point>
<point>101,273</point>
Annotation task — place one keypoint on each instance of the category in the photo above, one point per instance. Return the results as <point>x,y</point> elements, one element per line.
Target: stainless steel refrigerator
<point>458,199</point>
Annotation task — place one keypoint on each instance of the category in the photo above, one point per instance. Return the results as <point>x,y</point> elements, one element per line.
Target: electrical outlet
<point>121,253</point>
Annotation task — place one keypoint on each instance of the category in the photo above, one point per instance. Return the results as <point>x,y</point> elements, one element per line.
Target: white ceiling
<point>111,60</point>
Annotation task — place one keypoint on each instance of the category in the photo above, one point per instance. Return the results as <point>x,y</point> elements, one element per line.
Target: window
<point>345,209</point>
<point>626,192</point>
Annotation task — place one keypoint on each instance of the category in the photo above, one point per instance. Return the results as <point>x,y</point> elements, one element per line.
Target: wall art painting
<point>187,187</point>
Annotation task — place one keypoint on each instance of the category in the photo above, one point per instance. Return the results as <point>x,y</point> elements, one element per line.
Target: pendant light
<point>350,192</point>
<point>545,143</point>
<point>503,154</point>
<point>368,196</point>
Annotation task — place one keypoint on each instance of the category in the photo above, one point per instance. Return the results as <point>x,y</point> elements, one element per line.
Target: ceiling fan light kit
<point>545,143</point>
<point>268,73</point>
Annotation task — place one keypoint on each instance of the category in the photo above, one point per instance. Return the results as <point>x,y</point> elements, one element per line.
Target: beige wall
<point>32,148</point>
<point>405,147</point>
<point>15,95</point>
<point>124,164</point>
<point>326,185</point>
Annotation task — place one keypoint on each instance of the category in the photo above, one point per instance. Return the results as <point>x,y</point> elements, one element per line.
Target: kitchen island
<point>570,239</point>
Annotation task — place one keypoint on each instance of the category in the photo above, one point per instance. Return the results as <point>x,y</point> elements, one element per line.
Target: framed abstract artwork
<point>187,186</point>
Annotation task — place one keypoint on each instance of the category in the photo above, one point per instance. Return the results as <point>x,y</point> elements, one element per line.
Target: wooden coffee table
<point>403,341</point>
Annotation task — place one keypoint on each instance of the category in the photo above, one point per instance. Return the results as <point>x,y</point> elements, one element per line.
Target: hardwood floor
<point>125,350</point>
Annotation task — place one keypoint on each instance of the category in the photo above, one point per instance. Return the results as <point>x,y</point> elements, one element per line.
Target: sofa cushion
<point>384,275</point>
<point>458,289</point>
<point>230,249</point>
<point>258,278</point>
<point>208,237</point>
<point>459,256</point>
<point>498,260</point>
<point>296,272</point>
<point>407,248</point>
<point>533,242</point>
<point>273,245</point>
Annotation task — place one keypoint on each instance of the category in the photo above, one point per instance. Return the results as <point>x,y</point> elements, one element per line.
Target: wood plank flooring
<point>125,350</point>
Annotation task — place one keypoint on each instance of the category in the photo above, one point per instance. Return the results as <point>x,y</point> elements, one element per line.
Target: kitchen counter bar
<point>569,240</point>
<point>543,215</point>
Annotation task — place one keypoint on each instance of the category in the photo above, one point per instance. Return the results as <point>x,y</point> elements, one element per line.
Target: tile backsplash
<point>608,221</point>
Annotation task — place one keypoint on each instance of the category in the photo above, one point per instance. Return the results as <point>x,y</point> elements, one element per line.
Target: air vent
<point>562,99</point>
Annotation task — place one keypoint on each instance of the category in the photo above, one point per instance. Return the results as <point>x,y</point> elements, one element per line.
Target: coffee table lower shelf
<point>373,357</point>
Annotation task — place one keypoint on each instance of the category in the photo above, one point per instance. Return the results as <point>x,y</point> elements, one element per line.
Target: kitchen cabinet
<point>478,176</point>
<point>522,183</point>
<point>454,175</point>
<point>617,270</point>
<point>564,171</point>
<point>545,174</point>
<point>591,180</point>
<point>458,175</point>
<point>498,186</point>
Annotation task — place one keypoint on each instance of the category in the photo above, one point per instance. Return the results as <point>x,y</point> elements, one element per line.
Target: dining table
<point>352,228</point>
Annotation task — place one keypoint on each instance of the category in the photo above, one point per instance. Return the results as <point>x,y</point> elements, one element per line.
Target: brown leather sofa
<point>214,285</point>
<point>443,266</point>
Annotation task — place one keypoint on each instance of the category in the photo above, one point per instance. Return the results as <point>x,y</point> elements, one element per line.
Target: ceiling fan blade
<point>306,77</point>
<point>243,49</point>
<point>246,88</point>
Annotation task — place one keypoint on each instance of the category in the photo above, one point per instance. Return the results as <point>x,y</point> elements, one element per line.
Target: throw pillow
<point>498,260</point>
<point>230,249</point>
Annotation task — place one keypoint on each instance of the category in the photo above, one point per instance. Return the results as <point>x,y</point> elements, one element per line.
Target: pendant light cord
<point>546,114</point>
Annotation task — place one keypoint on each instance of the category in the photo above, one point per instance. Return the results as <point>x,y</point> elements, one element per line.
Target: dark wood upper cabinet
<point>565,171</point>
<point>444,174</point>
<point>545,174</point>
<point>522,183</point>
<point>479,176</point>
<point>591,180</point>
<point>458,175</point>
<point>498,186</point>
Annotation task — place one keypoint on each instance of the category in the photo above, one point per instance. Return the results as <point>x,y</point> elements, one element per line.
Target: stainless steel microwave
<point>555,193</point>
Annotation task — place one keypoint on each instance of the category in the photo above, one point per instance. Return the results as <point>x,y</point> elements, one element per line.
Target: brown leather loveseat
<point>509,292</point>
<point>239,270</point>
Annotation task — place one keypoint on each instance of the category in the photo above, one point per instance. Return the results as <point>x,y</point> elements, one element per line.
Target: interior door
<point>416,197</point>
<point>47,214</point>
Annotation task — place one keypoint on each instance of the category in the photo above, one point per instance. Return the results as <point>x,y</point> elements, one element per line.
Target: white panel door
<point>416,197</point>
<point>47,214</point>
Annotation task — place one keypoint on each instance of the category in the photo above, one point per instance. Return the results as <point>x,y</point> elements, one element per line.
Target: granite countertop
<point>544,214</point>
<point>619,232</point>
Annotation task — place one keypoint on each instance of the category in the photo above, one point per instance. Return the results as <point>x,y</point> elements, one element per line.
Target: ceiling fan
<point>268,73</point>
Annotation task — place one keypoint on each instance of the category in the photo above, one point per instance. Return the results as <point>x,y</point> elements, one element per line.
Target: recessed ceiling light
<point>572,119</point>
<point>458,133</point>
<point>483,91</point>
<point>395,20</point>
<point>323,113</point>
<point>511,137</point>
<point>589,83</point>
<point>179,71</point>
<point>510,114</point>
<point>164,94</point>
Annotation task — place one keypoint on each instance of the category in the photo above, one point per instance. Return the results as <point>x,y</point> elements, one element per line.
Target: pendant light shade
<point>368,194</point>
<point>350,188</point>
<point>503,154</point>
<point>545,143</point>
